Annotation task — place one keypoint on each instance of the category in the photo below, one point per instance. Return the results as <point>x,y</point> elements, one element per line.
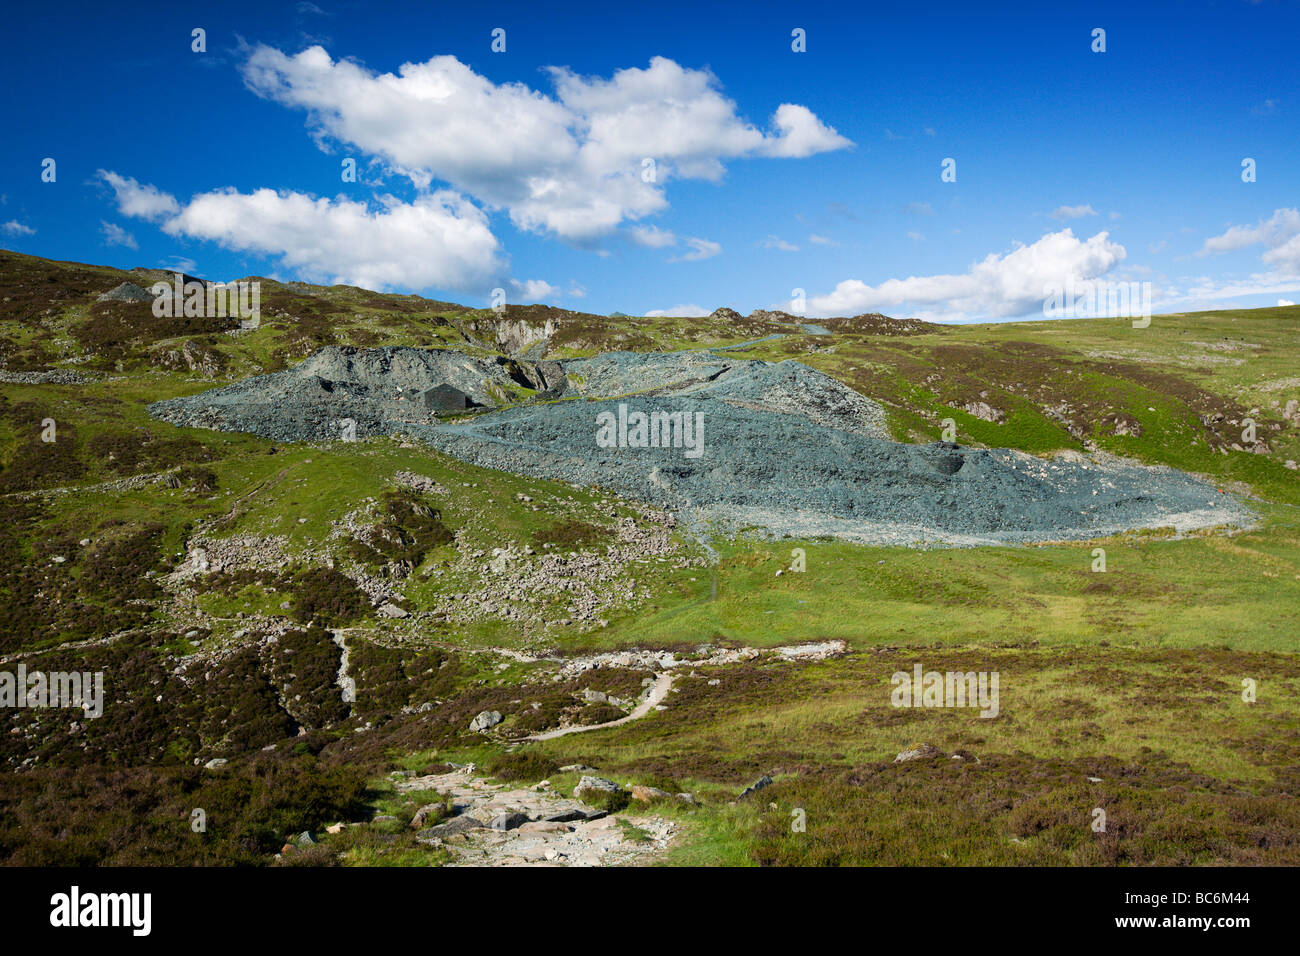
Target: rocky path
<point>539,826</point>
<point>658,691</point>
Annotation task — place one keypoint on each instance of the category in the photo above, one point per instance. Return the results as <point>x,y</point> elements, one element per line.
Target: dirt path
<point>658,691</point>
<point>560,831</point>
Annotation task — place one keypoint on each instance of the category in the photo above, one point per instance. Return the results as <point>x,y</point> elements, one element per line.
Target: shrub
<point>521,765</point>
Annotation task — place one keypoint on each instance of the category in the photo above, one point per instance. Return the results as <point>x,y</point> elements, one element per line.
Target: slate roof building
<point>444,398</point>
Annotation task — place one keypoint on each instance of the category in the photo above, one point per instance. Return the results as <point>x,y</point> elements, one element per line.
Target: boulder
<point>508,821</point>
<point>450,828</point>
<point>485,721</point>
<point>919,752</point>
<point>762,783</point>
<point>649,794</point>
<point>594,787</point>
<point>422,815</point>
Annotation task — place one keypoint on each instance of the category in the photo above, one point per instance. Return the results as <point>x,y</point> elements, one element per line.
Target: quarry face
<point>727,443</point>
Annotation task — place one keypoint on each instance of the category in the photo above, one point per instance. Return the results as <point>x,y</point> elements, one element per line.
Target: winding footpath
<point>658,691</point>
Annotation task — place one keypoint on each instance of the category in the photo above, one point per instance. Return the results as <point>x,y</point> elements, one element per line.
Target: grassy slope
<point>1132,675</point>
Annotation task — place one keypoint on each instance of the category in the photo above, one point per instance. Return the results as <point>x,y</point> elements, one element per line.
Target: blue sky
<point>774,170</point>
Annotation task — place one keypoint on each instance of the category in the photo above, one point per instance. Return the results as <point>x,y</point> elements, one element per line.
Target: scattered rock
<point>762,783</point>
<point>594,787</point>
<point>485,721</point>
<point>917,753</point>
<point>422,815</point>
<point>649,794</point>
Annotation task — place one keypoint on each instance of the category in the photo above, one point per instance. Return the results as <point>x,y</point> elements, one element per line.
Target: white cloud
<point>181,264</point>
<point>15,228</point>
<point>817,240</point>
<point>1285,257</point>
<point>140,202</point>
<point>534,290</point>
<point>1284,302</point>
<point>1001,286</point>
<point>915,236</point>
<point>1063,213</point>
<point>801,134</point>
<point>571,164</point>
<point>679,312</point>
<point>919,209</point>
<point>1206,289</point>
<point>776,242</point>
<point>652,237</point>
<point>1272,232</point>
<point>115,235</point>
<point>700,249</point>
<point>440,239</point>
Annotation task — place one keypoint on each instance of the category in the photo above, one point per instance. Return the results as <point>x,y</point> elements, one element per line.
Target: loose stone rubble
<point>498,826</point>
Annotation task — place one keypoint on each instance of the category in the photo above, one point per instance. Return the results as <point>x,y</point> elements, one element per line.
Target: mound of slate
<point>785,449</point>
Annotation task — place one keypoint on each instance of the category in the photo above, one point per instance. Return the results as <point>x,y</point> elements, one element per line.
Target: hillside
<point>233,584</point>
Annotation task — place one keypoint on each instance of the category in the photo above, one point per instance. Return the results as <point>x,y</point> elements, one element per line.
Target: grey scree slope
<point>786,449</point>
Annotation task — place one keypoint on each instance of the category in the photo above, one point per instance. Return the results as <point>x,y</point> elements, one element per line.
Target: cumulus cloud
<point>1000,286</point>
<point>1284,302</point>
<point>534,290</point>
<point>439,239</point>
<point>115,235</point>
<point>15,228</point>
<point>1273,232</point>
<point>700,249</point>
<point>1286,257</point>
<point>1062,213</point>
<point>572,164</point>
<point>140,202</point>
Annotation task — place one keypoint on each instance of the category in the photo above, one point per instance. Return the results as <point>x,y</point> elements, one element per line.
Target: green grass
<point>1132,675</point>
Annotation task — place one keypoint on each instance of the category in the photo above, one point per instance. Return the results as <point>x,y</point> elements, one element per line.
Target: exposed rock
<point>917,753</point>
<point>649,794</point>
<point>762,783</point>
<point>985,411</point>
<point>485,720</point>
<point>422,814</point>
<point>508,821</point>
<point>125,292</point>
<point>595,787</point>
